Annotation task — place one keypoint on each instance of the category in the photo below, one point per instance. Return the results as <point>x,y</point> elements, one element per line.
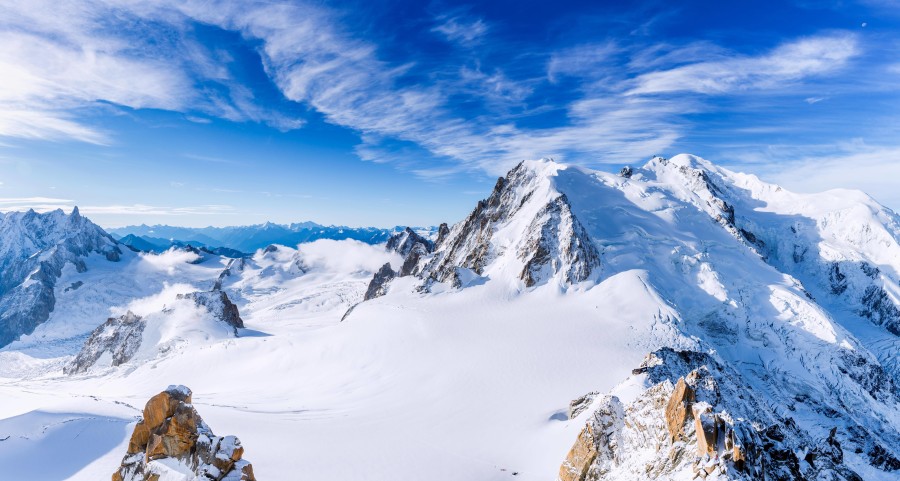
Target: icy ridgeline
<point>34,248</point>
<point>173,442</point>
<point>791,300</point>
<point>525,230</point>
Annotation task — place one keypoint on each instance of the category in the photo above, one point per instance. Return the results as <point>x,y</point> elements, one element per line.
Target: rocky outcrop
<point>172,439</point>
<point>405,241</point>
<point>378,284</point>
<point>119,336</point>
<point>218,304</point>
<point>561,245</point>
<point>580,404</point>
<point>233,265</point>
<point>411,262</point>
<point>678,410</point>
<point>553,242</point>
<point>34,249</point>
<point>597,443</point>
<point>698,420</point>
<point>442,233</point>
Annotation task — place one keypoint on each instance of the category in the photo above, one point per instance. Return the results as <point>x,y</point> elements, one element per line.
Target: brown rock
<point>139,438</point>
<point>706,424</point>
<point>580,457</point>
<point>247,473</point>
<point>678,410</point>
<point>172,428</point>
<point>738,457</point>
<point>163,405</point>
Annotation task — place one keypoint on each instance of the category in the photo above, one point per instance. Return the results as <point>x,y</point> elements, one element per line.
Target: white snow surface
<point>470,383</point>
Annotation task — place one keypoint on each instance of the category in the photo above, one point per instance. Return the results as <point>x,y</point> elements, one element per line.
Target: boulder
<point>172,431</point>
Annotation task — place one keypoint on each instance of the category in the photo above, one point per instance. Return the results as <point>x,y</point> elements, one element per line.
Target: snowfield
<point>465,371</point>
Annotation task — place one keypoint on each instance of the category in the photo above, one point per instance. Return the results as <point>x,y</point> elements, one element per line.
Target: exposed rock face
<point>379,282</point>
<point>580,457</point>
<point>678,410</point>
<point>404,242</point>
<point>561,245</point>
<point>580,404</point>
<point>233,265</point>
<point>554,242</point>
<point>443,232</point>
<point>411,262</point>
<point>34,248</point>
<point>218,305</point>
<point>119,336</point>
<point>172,432</point>
<point>705,424</point>
<point>597,443</point>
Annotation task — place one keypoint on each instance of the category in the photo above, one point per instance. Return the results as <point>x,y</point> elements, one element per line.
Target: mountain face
<point>154,245</point>
<point>553,243</point>
<point>34,250</point>
<point>674,321</point>
<point>244,238</point>
<point>790,300</point>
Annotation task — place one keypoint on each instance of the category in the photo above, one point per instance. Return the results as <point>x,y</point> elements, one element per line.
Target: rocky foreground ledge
<point>172,442</point>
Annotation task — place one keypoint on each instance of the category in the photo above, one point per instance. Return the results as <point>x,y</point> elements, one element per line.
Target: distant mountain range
<point>247,239</point>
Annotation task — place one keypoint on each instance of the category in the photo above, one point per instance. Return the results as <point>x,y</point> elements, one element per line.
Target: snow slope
<point>559,284</point>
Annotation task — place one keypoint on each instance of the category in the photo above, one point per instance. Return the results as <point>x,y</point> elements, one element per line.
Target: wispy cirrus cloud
<point>789,62</point>
<point>613,113</point>
<point>59,60</point>
<point>460,29</point>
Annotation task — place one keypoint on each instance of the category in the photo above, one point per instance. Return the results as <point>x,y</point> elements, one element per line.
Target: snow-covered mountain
<point>34,250</point>
<point>673,321</point>
<point>247,238</point>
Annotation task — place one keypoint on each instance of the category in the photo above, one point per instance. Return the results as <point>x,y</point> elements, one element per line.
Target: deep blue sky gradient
<point>522,66</point>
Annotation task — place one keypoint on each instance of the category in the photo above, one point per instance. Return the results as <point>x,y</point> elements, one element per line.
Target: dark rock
<point>218,305</point>
<point>379,282</point>
<point>417,253</point>
<point>443,232</point>
<point>120,336</point>
<point>407,240</point>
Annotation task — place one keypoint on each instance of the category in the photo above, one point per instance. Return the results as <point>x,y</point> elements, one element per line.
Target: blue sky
<point>404,112</point>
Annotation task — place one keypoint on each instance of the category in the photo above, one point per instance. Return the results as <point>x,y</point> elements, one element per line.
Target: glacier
<point>564,287</point>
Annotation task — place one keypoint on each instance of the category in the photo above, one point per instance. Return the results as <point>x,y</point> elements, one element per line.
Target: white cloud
<point>461,30</point>
<point>59,59</point>
<point>788,62</point>
<point>35,200</point>
<point>591,60</point>
<point>313,60</point>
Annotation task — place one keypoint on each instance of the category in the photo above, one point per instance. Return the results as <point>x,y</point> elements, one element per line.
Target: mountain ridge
<point>698,319</point>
